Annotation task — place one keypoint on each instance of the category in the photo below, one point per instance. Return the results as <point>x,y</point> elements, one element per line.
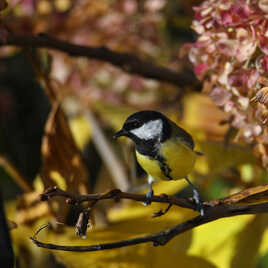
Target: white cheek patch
<point>149,130</point>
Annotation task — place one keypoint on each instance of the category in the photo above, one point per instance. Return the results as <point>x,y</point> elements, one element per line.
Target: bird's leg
<point>150,193</point>
<point>196,197</point>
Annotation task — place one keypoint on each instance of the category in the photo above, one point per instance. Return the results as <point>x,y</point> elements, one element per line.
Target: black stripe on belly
<point>164,166</point>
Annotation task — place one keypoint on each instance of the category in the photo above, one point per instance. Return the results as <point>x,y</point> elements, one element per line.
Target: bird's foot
<point>198,202</point>
<point>162,212</point>
<point>149,196</point>
<point>197,199</point>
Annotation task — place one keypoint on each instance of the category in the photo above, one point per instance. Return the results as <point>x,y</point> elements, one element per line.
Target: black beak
<point>120,133</point>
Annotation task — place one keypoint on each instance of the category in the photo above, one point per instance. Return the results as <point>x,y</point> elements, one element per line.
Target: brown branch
<point>161,238</point>
<point>249,201</point>
<point>82,223</point>
<point>127,62</point>
<point>116,194</point>
<point>15,174</point>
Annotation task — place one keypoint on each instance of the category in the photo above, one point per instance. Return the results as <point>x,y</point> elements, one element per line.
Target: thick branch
<point>249,201</point>
<point>128,62</point>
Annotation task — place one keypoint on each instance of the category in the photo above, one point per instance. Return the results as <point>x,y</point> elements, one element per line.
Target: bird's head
<point>145,126</point>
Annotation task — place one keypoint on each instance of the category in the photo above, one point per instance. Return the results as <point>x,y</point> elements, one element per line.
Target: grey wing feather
<point>182,135</point>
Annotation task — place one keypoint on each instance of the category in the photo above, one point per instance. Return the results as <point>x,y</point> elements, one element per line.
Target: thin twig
<point>127,62</point>
<point>15,174</point>
<point>40,229</point>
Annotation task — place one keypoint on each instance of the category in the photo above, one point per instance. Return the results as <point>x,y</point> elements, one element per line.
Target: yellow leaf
<point>28,254</point>
<point>217,241</point>
<point>203,116</point>
<point>58,179</point>
<point>264,245</point>
<point>248,242</point>
<point>81,130</point>
<point>218,157</point>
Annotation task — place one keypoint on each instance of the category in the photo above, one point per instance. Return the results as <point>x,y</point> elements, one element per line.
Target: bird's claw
<point>198,202</point>
<point>149,197</point>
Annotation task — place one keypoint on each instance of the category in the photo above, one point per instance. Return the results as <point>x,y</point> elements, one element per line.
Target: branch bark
<point>249,201</point>
<point>115,194</point>
<point>127,62</point>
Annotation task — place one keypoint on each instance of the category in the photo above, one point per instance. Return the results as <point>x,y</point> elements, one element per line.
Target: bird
<point>163,149</point>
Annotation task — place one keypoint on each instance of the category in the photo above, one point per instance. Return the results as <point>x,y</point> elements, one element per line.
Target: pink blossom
<point>264,64</point>
<point>226,17</point>
<point>238,78</point>
<point>243,78</point>
<point>227,47</point>
<point>220,95</point>
<point>263,5</point>
<point>230,33</point>
<point>200,69</point>
<point>263,41</point>
<point>129,6</point>
<point>253,77</point>
<point>241,9</point>
<point>154,5</point>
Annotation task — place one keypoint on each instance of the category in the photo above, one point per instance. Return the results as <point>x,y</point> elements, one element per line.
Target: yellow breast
<point>179,158</point>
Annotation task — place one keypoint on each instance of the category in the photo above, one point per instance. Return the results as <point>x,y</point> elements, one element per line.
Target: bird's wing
<point>182,135</point>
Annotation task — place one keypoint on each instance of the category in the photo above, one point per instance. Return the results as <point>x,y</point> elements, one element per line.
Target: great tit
<point>164,150</point>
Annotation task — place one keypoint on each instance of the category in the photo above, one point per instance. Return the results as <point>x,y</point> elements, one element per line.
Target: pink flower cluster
<point>231,57</point>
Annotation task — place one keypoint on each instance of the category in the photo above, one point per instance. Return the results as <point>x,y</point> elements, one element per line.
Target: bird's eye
<point>135,124</point>
<point>132,125</point>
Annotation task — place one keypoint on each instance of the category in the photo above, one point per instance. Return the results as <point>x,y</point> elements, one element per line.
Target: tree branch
<point>249,201</point>
<point>160,238</point>
<point>127,62</point>
<point>116,194</point>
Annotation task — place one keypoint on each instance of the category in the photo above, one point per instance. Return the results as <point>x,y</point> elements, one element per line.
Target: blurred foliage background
<point>58,115</point>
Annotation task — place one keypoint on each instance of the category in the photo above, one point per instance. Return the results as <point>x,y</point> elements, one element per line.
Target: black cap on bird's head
<point>145,126</point>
